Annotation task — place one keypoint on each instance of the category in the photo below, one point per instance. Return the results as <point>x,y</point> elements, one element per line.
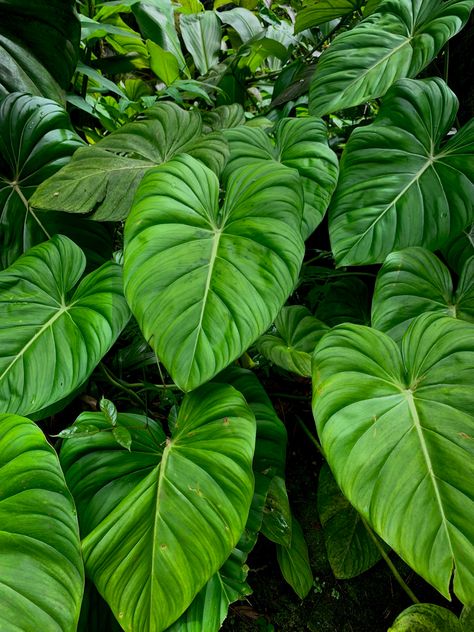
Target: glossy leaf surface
<point>178,505</point>
<point>36,139</point>
<point>400,185</point>
<point>40,557</point>
<point>460,249</point>
<point>50,340</point>
<point>395,426</point>
<point>204,280</point>
<point>349,547</point>
<point>426,617</point>
<point>316,12</point>
<point>397,41</point>
<point>39,44</point>
<point>294,561</point>
<point>101,180</point>
<point>291,346</point>
<point>300,144</point>
<point>414,281</point>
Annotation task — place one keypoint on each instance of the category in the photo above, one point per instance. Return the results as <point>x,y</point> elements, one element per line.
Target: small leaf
<point>109,410</point>
<point>276,525</point>
<point>123,437</point>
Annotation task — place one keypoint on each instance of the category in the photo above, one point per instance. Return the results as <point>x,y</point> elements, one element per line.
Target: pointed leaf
<point>36,140</point>
<point>294,562</point>
<point>50,341</point>
<point>349,547</point>
<point>163,63</point>
<point>40,557</point>
<point>425,617</point>
<point>166,516</point>
<point>101,180</point>
<point>414,281</point>
<point>277,521</point>
<point>292,346</point>
<point>204,282</point>
<point>396,428</point>
<point>300,144</point>
<point>245,23</point>
<point>399,186</point>
<point>202,35</point>
<point>397,41</point>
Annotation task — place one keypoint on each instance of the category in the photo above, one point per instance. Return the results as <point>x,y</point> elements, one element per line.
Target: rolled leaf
<point>396,428</point>
<point>400,39</point>
<point>52,337</point>
<point>40,557</point>
<point>400,184</point>
<point>165,516</point>
<point>202,280</point>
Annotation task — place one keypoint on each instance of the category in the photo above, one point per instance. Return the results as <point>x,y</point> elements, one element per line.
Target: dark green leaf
<point>316,12</point>
<point>294,562</point>
<point>425,617</point>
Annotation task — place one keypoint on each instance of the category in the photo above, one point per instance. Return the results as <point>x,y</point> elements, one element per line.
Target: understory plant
<point>197,201</point>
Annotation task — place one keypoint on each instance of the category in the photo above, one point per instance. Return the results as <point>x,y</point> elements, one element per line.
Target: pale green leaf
<point>202,35</point>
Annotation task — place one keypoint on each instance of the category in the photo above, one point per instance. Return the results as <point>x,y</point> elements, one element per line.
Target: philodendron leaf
<point>426,617</point>
<point>101,180</point>
<point>39,45</point>
<point>349,547</point>
<point>36,139</point>
<point>202,280</point>
<point>276,524</point>
<point>223,117</point>
<point>397,41</point>
<point>294,561</point>
<point>300,144</point>
<point>396,427</point>
<point>41,570</point>
<point>50,341</point>
<point>160,520</point>
<point>316,12</point>
<point>460,249</point>
<point>414,281</point>
<point>400,185</point>
<point>291,346</point>
<point>202,35</point>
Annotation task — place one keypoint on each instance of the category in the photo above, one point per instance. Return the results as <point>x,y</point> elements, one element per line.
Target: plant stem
<point>390,564</point>
<point>119,384</point>
<point>309,434</point>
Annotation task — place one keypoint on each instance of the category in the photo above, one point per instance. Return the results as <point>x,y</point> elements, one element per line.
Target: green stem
<point>119,384</point>
<point>390,564</point>
<point>309,434</point>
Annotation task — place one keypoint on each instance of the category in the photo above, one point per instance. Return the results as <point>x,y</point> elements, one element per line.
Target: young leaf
<point>294,562</point>
<point>165,517</point>
<point>203,293</point>
<point>414,281</point>
<point>396,428</point>
<point>36,140</point>
<point>426,617</point>
<point>40,556</point>
<point>300,144</point>
<point>109,410</point>
<point>399,185</point>
<point>101,180</point>
<point>292,346</point>
<point>50,341</point>
<point>122,436</point>
<point>397,41</point>
<point>349,547</point>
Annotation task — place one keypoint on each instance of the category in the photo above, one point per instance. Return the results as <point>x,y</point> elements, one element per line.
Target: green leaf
<point>350,549</point>
<point>223,117</point>
<point>50,341</point>
<point>39,45</point>
<point>294,562</point>
<point>300,144</point>
<point>397,41</point>
<point>316,12</point>
<point>396,428</point>
<point>162,519</point>
<point>202,35</point>
<point>204,281</point>
<point>276,525</point>
<point>122,437</point>
<point>101,180</point>
<point>96,616</point>
<point>460,249</point>
<point>425,617</point>
<point>293,343</point>
<point>163,63</point>
<point>414,281</point>
<point>399,185</point>
<point>36,140</point>
<point>40,557</point>
<point>110,412</point>
<point>340,300</point>
<point>245,23</point>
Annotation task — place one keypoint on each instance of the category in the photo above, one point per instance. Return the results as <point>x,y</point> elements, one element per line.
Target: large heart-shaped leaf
<point>414,281</point>
<point>399,185</point>
<point>39,45</point>
<point>51,341</point>
<point>349,546</point>
<point>293,343</point>
<point>300,144</point>
<point>460,249</point>
<point>396,428</point>
<point>205,281</point>
<point>426,617</point>
<point>36,139</point>
<point>41,569</point>
<point>163,518</point>
<point>101,180</point>
<point>316,12</point>
<point>396,41</point>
